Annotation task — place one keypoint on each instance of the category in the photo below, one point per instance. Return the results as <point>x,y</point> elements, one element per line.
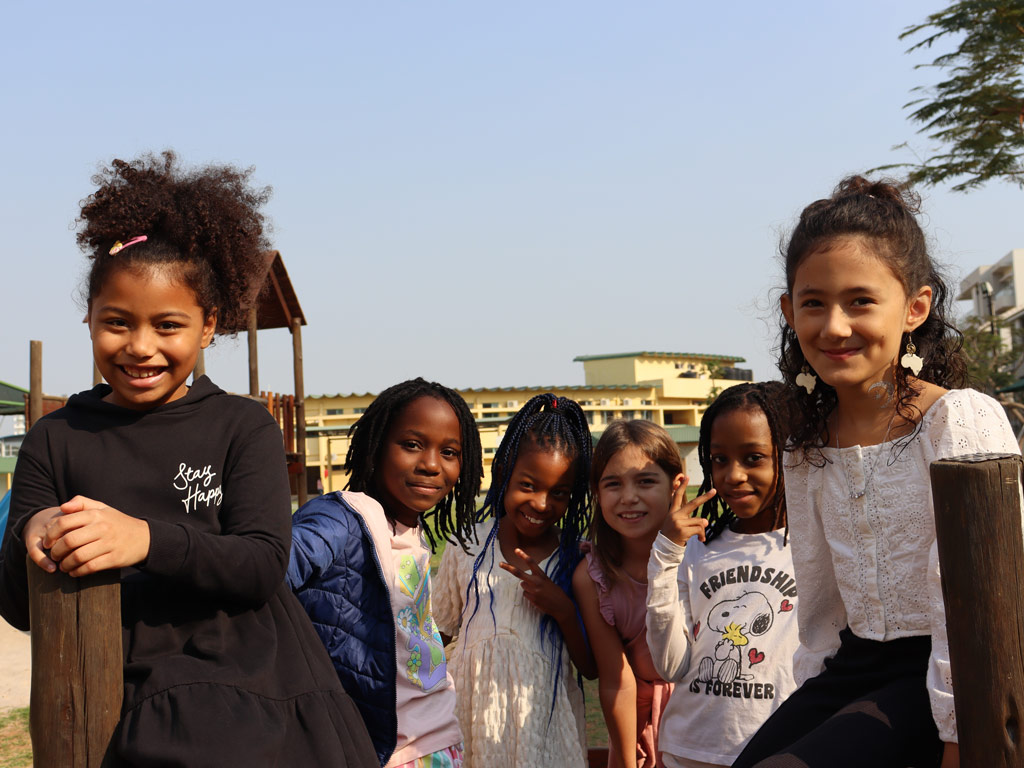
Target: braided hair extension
<point>203,223</point>
<point>771,398</point>
<point>367,443</point>
<point>883,214</point>
<point>546,423</point>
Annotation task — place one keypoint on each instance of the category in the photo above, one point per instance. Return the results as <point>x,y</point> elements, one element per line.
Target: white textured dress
<point>504,676</point>
<point>862,529</point>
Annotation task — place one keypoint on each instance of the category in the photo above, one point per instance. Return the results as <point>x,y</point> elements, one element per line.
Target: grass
<point>15,745</point>
<point>597,733</point>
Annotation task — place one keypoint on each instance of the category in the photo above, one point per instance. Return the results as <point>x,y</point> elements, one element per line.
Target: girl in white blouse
<point>874,365</point>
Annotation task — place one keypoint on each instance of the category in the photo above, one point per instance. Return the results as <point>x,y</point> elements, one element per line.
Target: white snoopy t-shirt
<point>721,624</point>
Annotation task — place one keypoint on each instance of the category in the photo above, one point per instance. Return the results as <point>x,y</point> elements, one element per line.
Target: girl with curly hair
<point>877,370</point>
<point>183,489</point>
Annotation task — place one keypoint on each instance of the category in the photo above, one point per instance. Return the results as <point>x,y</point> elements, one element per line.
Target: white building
<point>997,290</point>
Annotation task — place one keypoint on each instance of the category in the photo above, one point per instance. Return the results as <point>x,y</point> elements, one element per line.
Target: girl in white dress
<point>509,597</point>
<point>875,366</point>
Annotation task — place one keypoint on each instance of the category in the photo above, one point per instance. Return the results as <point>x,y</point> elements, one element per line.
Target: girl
<point>721,616</point>
<point>361,567</point>
<point>867,340</point>
<point>184,489</point>
<point>517,702</point>
<point>636,472</point>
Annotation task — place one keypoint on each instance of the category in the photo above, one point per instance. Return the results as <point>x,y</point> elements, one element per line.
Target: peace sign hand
<point>680,523</point>
<point>541,591</point>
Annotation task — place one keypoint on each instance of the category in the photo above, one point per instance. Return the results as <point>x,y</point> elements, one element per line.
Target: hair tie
<point>119,246</point>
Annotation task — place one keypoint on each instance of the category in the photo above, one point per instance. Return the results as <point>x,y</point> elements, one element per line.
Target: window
<point>590,416</point>
<point>629,415</point>
<point>358,410</point>
<point>649,415</point>
<point>335,411</point>
<point>607,417</point>
<point>490,405</point>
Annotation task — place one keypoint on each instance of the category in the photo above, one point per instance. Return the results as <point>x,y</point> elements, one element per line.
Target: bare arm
<point>616,682</point>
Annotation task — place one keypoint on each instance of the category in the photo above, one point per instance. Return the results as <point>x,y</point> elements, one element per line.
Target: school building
<point>668,388</point>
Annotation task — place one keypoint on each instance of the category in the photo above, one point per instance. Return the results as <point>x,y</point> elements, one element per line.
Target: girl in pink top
<point>636,471</point>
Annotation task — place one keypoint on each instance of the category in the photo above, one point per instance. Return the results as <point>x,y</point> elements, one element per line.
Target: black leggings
<point>869,707</point>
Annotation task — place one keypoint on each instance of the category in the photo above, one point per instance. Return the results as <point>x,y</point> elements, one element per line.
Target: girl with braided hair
<point>361,566</point>
<point>182,489</point>
<point>509,597</point>
<point>721,616</point>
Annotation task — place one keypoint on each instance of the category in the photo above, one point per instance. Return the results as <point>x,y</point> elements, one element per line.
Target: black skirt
<point>869,706</point>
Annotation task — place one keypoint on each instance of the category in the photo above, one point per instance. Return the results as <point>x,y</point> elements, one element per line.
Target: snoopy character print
<point>744,626</point>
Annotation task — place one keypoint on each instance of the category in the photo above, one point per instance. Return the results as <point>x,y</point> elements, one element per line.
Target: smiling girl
<point>361,566</point>
<point>509,598</point>
<point>183,489</point>
<point>867,341</point>
<point>721,616</point>
<point>636,473</point>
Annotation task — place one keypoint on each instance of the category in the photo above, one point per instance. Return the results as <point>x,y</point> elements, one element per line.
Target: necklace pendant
<point>854,495</point>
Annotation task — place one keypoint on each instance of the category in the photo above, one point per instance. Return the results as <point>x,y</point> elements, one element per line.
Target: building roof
<point>551,388</point>
<point>12,399</point>
<point>672,355</point>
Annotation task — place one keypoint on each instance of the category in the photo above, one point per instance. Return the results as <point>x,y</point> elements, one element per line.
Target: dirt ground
<point>15,667</point>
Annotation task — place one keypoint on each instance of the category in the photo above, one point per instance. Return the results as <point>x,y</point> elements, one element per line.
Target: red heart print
<point>696,629</point>
<point>755,656</point>
<point>786,606</point>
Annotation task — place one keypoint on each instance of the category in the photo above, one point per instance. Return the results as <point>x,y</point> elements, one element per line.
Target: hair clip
<point>119,246</point>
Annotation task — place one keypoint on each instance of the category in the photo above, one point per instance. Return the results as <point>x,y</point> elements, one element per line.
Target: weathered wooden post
<point>254,367</point>
<point>77,687</point>
<point>200,368</point>
<point>981,551</point>
<point>35,382</point>
<point>77,684</point>
<point>300,405</point>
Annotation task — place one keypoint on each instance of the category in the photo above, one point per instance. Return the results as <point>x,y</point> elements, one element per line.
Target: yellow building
<point>668,388</point>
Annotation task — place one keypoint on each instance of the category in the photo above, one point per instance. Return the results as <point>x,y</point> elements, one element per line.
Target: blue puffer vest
<point>336,573</point>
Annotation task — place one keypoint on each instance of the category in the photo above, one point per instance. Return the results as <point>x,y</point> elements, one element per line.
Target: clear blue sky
<point>471,192</point>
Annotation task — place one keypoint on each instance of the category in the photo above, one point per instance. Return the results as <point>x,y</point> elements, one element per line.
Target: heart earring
<point>806,379</point>
<point>911,360</point>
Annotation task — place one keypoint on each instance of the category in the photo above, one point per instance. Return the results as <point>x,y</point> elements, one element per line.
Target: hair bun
<point>888,190</point>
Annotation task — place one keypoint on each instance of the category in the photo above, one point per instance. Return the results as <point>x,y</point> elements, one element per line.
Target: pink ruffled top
<point>623,604</point>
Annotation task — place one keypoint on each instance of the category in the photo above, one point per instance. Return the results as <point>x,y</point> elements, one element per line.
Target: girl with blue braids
<point>517,699</point>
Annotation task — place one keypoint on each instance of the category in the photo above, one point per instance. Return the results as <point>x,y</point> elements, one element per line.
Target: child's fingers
<point>63,524</point>
<point>513,570</point>
<point>531,566</point>
<point>74,539</point>
<point>697,502</point>
<point>37,555</point>
<point>79,504</point>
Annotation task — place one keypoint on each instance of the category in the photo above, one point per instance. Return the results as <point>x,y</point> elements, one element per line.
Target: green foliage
<point>992,359</point>
<point>976,114</point>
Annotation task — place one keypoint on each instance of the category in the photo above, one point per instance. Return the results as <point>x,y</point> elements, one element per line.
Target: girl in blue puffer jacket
<point>360,565</point>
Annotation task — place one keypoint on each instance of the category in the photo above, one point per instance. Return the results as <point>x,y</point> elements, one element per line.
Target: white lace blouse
<point>863,537</point>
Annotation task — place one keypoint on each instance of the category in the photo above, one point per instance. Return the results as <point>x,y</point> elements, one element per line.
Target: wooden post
<point>254,368</point>
<point>200,369</point>
<point>300,406</point>
<point>981,550</point>
<point>35,382</point>
<point>77,682</point>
